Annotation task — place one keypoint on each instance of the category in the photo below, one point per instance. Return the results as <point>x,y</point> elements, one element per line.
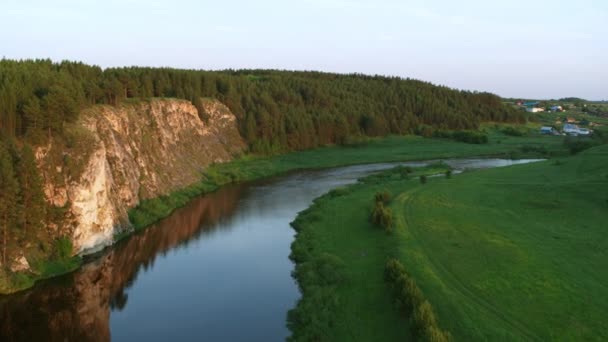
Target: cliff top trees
<point>32,196</point>
<point>9,191</point>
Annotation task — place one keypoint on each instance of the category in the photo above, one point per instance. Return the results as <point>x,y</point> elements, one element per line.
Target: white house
<point>534,109</point>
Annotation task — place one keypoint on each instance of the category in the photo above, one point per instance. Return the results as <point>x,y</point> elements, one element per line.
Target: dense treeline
<point>276,110</point>
<point>22,205</point>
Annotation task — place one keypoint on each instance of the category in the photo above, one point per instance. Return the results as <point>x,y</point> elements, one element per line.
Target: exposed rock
<point>134,152</point>
<point>20,264</point>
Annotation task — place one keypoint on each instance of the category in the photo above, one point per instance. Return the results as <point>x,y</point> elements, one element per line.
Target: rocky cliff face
<point>129,153</point>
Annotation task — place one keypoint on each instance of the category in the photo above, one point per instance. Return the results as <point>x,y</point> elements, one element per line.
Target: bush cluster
<point>318,276</point>
<point>578,144</point>
<point>404,171</point>
<point>512,131</point>
<point>382,216</point>
<point>470,137</point>
<point>410,300</point>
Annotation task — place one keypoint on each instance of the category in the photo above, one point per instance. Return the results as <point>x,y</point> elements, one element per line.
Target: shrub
<point>404,171</point>
<point>512,131</point>
<point>442,134</point>
<point>576,145</point>
<point>423,317</point>
<point>470,137</point>
<point>63,248</point>
<point>382,216</point>
<point>425,131</point>
<point>393,270</point>
<point>384,197</point>
<point>410,300</point>
<point>423,179</point>
<point>448,174</point>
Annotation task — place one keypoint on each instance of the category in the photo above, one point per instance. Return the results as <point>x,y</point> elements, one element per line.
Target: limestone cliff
<point>122,155</point>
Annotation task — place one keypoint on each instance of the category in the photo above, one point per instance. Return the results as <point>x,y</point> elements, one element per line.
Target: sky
<point>527,49</point>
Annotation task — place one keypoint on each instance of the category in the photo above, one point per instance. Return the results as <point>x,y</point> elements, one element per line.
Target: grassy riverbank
<point>340,258</point>
<point>39,269</point>
<point>515,253</point>
<point>389,149</point>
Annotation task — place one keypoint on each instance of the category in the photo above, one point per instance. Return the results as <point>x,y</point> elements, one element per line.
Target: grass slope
<point>516,253</point>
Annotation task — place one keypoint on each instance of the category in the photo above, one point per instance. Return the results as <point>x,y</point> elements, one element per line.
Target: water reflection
<point>77,307</point>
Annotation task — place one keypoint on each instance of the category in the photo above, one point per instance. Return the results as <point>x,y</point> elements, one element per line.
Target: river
<point>216,270</point>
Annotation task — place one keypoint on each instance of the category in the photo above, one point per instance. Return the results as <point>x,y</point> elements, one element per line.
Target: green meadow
<point>514,253</point>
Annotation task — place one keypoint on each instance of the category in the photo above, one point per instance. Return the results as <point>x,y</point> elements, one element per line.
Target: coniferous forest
<point>277,111</point>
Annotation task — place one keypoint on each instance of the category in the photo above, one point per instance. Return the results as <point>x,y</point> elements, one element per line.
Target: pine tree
<point>9,191</point>
<point>32,195</point>
<point>33,113</point>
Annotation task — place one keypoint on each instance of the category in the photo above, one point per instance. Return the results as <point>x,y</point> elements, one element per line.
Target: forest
<point>277,111</point>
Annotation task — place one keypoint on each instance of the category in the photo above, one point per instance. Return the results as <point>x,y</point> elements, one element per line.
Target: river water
<point>215,270</point>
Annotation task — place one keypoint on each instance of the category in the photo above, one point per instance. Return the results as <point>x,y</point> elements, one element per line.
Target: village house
<point>534,109</point>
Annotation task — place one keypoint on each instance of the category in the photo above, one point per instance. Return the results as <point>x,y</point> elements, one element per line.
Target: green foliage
<point>384,197</point>
<point>33,206</point>
<point>513,131</point>
<point>470,137</point>
<point>404,171</point>
<point>578,144</point>
<point>423,179</point>
<point>448,174</point>
<point>318,277</point>
<point>382,216</point>
<point>63,248</point>
<point>9,196</point>
<point>276,110</point>
<point>411,302</point>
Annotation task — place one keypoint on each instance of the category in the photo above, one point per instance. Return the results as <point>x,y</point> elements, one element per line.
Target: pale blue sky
<point>533,48</point>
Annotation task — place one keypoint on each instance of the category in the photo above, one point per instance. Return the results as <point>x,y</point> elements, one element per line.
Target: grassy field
<point>517,253</point>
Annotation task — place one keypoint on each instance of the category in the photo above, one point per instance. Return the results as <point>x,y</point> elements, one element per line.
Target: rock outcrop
<point>129,153</point>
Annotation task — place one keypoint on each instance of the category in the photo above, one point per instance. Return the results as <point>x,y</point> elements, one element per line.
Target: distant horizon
<point>537,49</point>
